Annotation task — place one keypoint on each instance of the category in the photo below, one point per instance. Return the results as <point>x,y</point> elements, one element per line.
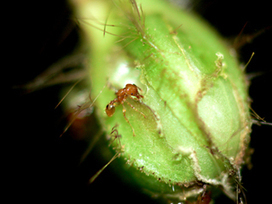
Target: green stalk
<point>190,131</point>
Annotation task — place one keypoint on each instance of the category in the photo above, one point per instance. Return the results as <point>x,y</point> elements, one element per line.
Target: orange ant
<point>122,94</point>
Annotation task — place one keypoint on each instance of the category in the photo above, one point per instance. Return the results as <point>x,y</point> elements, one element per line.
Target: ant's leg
<point>114,129</point>
<point>135,108</point>
<point>124,113</point>
<point>115,135</point>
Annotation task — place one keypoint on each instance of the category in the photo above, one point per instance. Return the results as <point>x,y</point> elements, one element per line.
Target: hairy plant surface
<point>184,129</point>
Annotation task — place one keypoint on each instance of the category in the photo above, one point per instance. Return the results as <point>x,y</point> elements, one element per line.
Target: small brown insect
<point>204,198</point>
<point>130,91</point>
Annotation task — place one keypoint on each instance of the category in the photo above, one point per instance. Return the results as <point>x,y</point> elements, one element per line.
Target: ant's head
<point>132,90</point>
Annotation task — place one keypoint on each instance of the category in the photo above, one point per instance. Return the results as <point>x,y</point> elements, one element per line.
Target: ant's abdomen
<point>110,109</point>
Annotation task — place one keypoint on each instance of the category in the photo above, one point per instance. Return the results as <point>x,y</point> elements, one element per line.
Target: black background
<point>43,167</point>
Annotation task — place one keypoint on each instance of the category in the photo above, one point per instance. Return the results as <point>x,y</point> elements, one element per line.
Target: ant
<point>130,91</point>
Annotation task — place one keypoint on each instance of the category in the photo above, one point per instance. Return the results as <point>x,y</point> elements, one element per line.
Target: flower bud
<point>187,126</point>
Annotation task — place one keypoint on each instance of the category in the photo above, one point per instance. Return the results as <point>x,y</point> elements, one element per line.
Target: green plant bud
<point>186,124</point>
